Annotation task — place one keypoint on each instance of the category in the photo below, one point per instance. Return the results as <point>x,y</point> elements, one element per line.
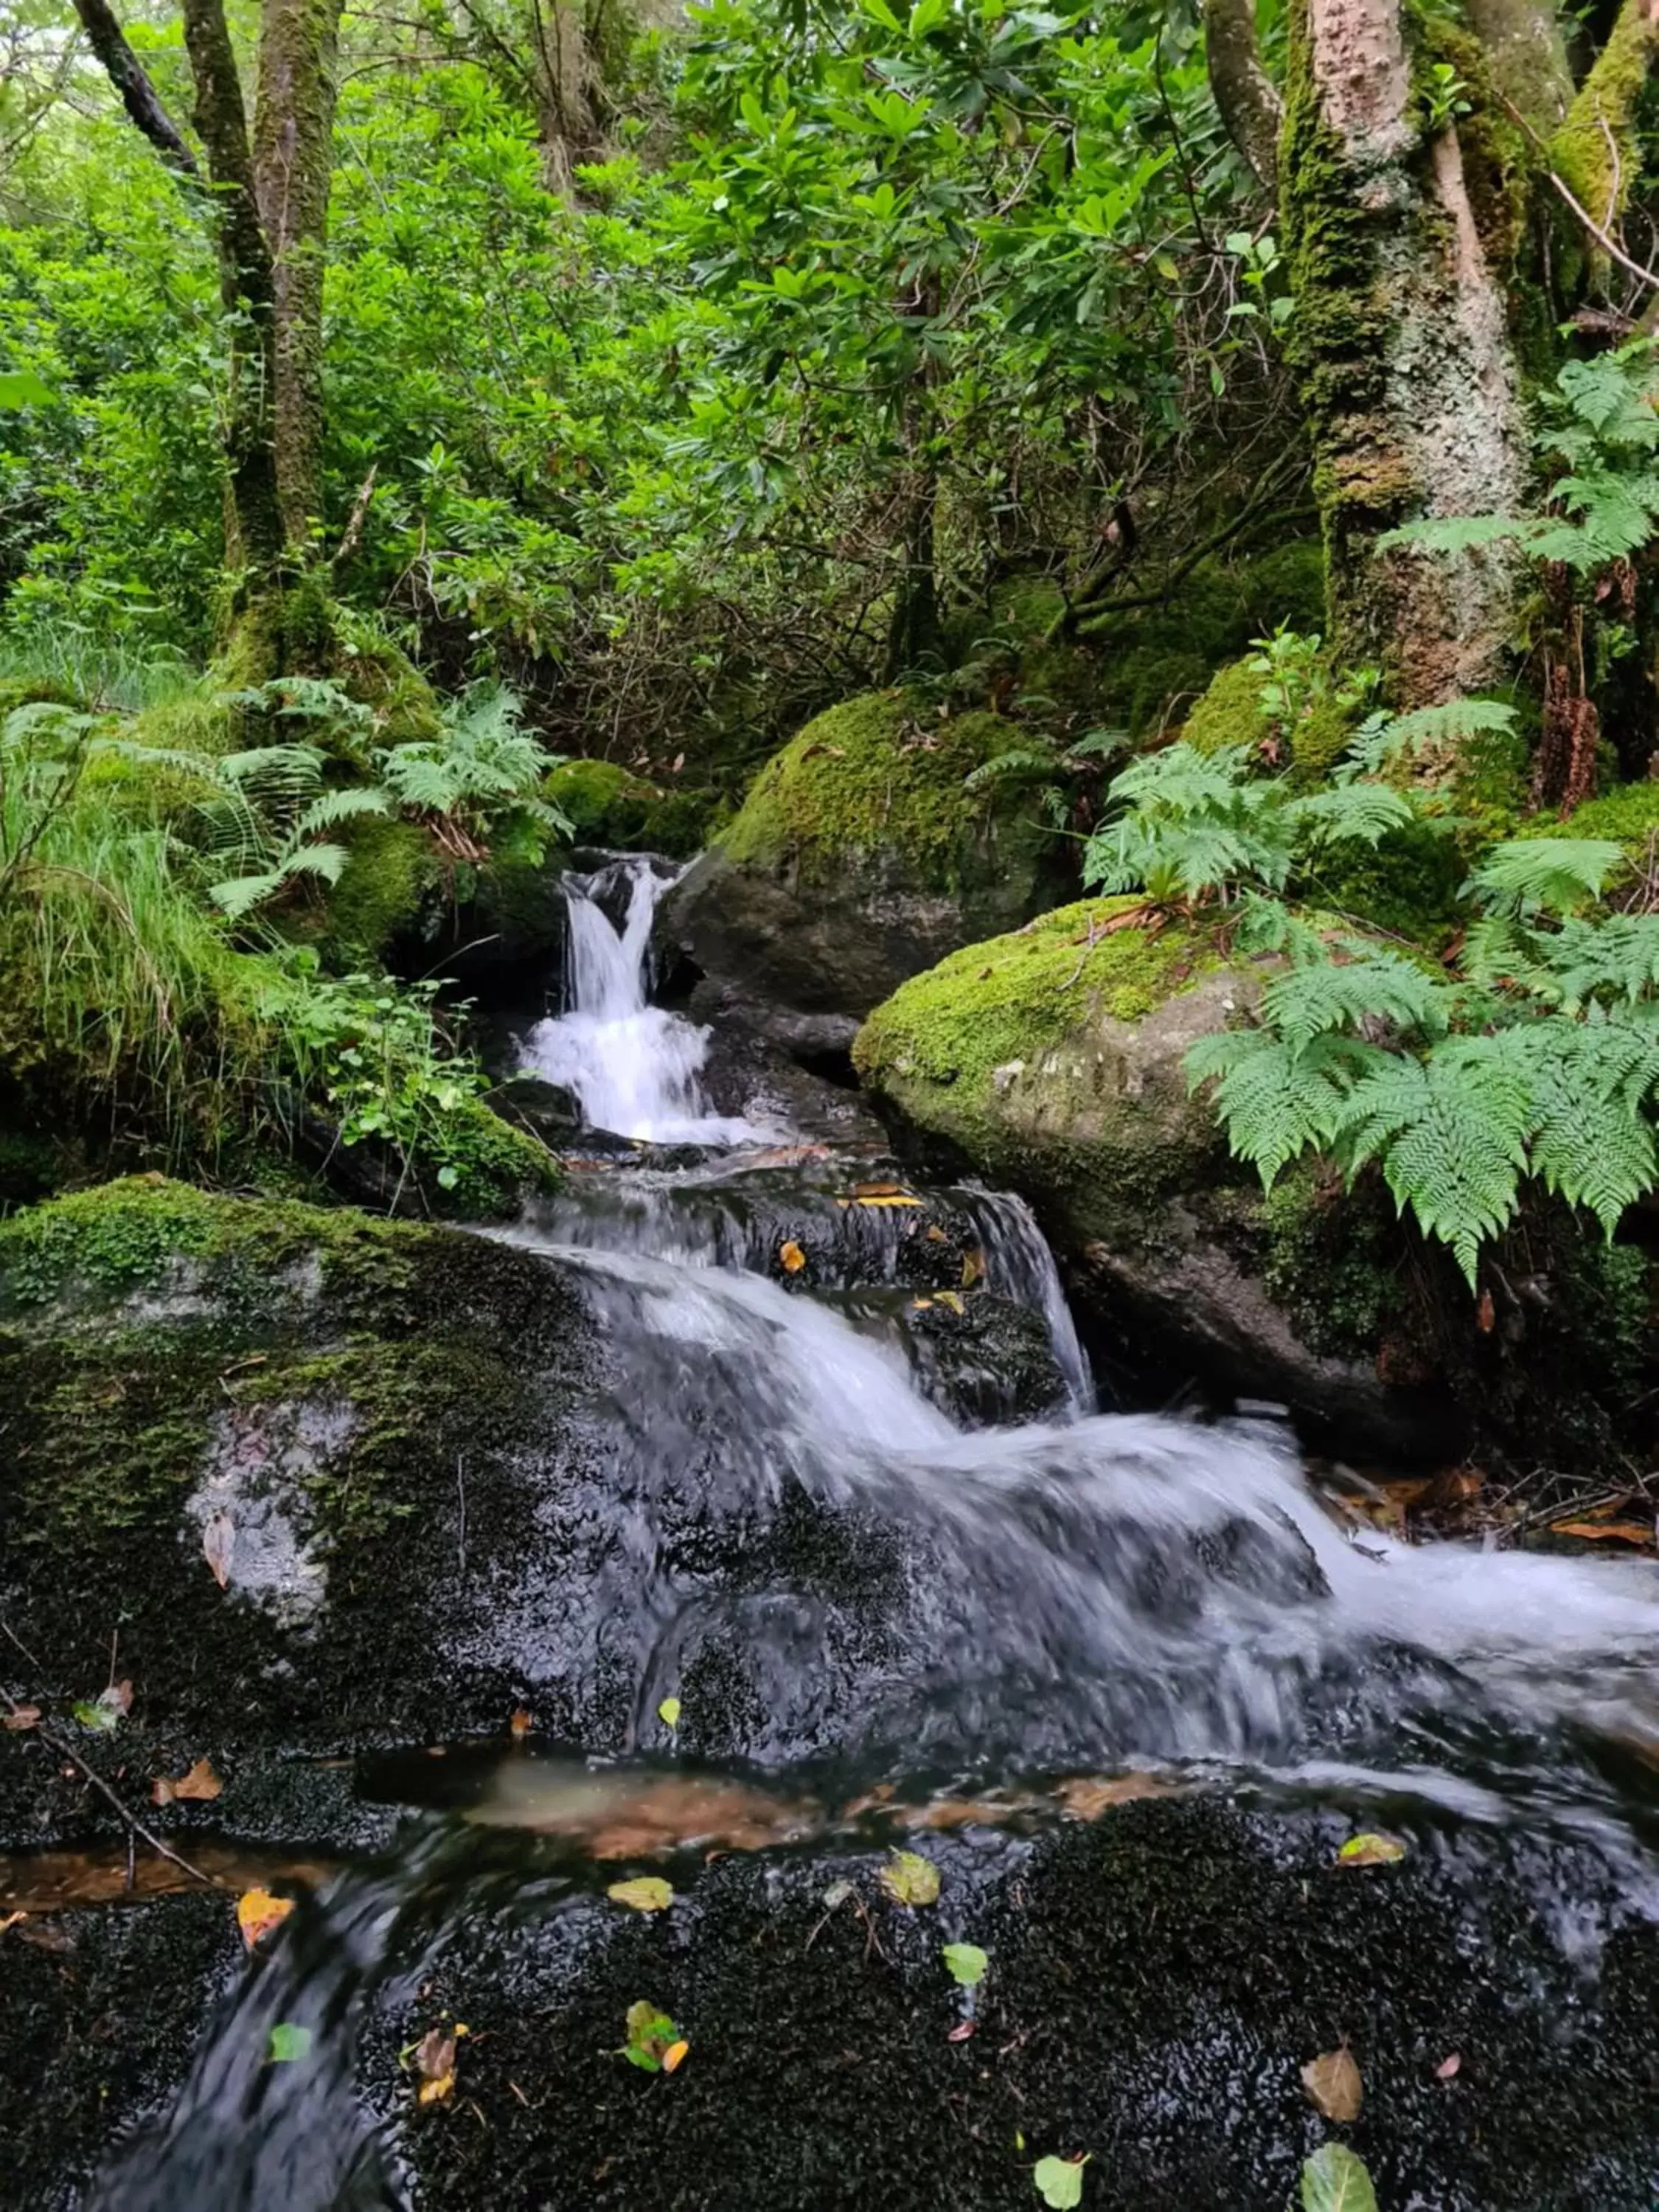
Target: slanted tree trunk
<point>268,203</point>
<point>1527,57</point>
<point>1596,151</point>
<point>1406,364</point>
<point>1246,99</point>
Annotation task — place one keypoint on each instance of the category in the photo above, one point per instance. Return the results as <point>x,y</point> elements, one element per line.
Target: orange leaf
<point>1332,2081</point>
<point>21,1717</point>
<point>434,2056</point>
<point>1086,1796</point>
<point>674,2054</point>
<point>792,1256</point>
<point>258,1912</point>
<point>1622,1532</point>
<point>201,1783</point>
<point>1486,1314</point>
<point>519,1724</point>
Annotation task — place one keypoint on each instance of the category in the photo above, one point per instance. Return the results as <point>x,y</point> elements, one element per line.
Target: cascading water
<point>632,1067</point>
<point>791,1595</point>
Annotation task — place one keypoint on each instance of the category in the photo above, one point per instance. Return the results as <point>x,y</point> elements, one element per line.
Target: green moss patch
<point>1011,997</point>
<point>608,805</point>
<point>878,771</point>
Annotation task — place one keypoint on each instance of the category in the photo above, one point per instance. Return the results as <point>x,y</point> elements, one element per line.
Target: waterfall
<point>632,1067</point>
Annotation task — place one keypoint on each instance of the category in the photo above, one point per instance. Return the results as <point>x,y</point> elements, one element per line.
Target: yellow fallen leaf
<point>792,1256</point>
<point>1332,2081</point>
<point>972,1269</point>
<point>435,2059</point>
<point>201,1784</point>
<point>893,1198</point>
<point>953,1299</point>
<point>1371,1849</point>
<point>674,2054</point>
<point>647,1893</point>
<point>258,1912</point>
<point>910,1879</point>
<point>936,1235</point>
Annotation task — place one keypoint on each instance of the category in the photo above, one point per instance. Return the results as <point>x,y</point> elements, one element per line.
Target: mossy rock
<point>1627,815</point>
<point>391,878</point>
<point>1052,1062</point>
<point>609,805</point>
<point>862,853</point>
<point>1230,713</point>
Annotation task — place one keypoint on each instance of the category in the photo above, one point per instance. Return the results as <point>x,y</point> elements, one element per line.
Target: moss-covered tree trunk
<point>293,142</point>
<point>1406,357</point>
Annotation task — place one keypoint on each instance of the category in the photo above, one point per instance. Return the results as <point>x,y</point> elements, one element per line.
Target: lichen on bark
<point>1403,347</point>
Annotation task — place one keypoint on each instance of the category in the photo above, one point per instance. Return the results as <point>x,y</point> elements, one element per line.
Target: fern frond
<point>1361,813</point>
<point>1308,1001</point>
<point>1618,955</point>
<point>1454,533</point>
<point>1450,1134</point>
<point>1553,875</point>
<point>1018,760</point>
<point>1275,1100</point>
<point>348,805</point>
<point>275,771</point>
<point>1595,1149</point>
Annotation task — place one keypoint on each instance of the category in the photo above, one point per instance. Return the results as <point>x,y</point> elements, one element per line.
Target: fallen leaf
<point>953,1299</point>
<point>668,1712</point>
<point>519,1726</point>
<point>1486,1314</point>
<point>922,1305</point>
<point>836,1895</point>
<point>1334,2180</point>
<point>1447,2067</point>
<point>201,1784</point>
<point>965,1962</point>
<point>1621,1532</point>
<point>792,1256</point>
<point>11,1921</point>
<point>288,2042</point>
<point>106,1710</point>
<point>435,2061</point>
<point>972,1269</point>
<point>258,1912</point>
<point>21,1717</point>
<point>1332,2081</point>
<point>1060,2180</point>
<point>674,2054</point>
<point>218,1543</point>
<point>1370,1849</point>
<point>1086,1796</point>
<point>910,1879</point>
<point>651,2036</point>
<point>936,1235</point>
<point>647,1893</point>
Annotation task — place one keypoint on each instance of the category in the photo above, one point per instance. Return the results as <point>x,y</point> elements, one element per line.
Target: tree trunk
<point>1246,98</point>
<point>563,73</point>
<point>293,142</point>
<point>248,288</point>
<point>1596,151</point>
<point>1527,56</point>
<point>1406,364</point>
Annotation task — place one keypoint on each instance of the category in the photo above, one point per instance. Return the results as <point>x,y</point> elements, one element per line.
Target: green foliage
<point>1334,2179</point>
<point>1540,1062</point>
<point>482,775</point>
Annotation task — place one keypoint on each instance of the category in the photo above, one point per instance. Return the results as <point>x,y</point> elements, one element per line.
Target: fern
<point>1364,813</point>
<point>1619,956</point>
<point>1551,875</point>
<point>1379,987</point>
<point>1278,1101</point>
<point>1589,1143</point>
<point>1383,740</point>
<point>1021,760</point>
<point>1450,1135</point>
<point>483,768</point>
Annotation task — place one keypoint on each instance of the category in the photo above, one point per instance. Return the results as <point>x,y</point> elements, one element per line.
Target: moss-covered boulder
<point>1051,1061</point>
<point>607,805</point>
<point>865,851</point>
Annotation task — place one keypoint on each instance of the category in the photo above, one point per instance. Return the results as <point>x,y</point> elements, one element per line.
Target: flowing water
<point>983,1611</point>
<point>632,1067</point>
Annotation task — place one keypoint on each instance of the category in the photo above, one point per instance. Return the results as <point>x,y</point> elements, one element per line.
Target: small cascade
<point>632,1068</point>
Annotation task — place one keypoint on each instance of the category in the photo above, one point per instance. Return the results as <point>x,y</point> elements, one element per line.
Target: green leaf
<point>1060,2180</point>
<point>668,1712</point>
<point>21,387</point>
<point>966,1963</point>
<point>288,2042</point>
<point>1334,2180</point>
<point>651,2035</point>
<point>1370,1849</point>
<point>910,1879</point>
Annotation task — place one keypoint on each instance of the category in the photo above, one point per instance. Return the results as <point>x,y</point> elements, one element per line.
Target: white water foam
<point>632,1067</point>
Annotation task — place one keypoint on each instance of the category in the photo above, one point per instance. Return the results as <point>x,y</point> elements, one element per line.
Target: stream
<point>1023,1596</point>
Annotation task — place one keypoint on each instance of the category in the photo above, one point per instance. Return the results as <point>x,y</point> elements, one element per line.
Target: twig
<point>135,1825</point>
<point>1644,276</point>
<point>461,1490</point>
<point>353,534</point>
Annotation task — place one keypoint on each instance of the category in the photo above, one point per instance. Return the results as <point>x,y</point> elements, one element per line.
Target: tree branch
<point>126,73</point>
<point>1246,97</point>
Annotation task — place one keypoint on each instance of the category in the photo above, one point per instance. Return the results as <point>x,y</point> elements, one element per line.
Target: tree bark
<point>248,288</point>
<point>1596,151</point>
<point>1527,56</point>
<point>127,74</point>
<point>1246,98</point>
<point>293,142</point>
<point>1407,368</point>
